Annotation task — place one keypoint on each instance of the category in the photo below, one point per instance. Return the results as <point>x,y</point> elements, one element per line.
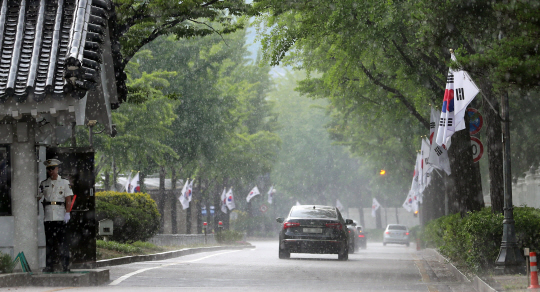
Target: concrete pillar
<point>23,193</point>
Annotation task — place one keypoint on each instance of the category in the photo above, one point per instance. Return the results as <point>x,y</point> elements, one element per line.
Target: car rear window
<point>313,213</point>
<point>397,227</point>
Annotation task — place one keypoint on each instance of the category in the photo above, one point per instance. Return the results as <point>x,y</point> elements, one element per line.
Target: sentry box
<point>106,228</point>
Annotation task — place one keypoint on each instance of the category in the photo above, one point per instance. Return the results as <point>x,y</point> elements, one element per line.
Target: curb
<point>164,255</point>
<point>478,284</point>
<point>457,273</point>
<point>481,286</point>
<point>97,276</point>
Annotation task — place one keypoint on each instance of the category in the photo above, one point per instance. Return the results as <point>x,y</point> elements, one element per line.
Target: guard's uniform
<point>54,193</point>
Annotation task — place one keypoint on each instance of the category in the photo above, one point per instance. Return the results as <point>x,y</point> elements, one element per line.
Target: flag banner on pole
<point>418,171</point>
<point>223,203</point>
<point>446,121</point>
<point>425,162</point>
<point>190,190</point>
<point>253,193</point>
<point>460,91</point>
<point>271,193</point>
<point>134,184</point>
<point>339,205</point>
<point>438,155</point>
<point>466,91</point>
<point>183,198</point>
<point>230,199</point>
<point>374,207</point>
<point>128,183</point>
<point>408,204</point>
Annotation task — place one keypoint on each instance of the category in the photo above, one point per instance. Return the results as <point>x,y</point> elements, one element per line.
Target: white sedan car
<point>395,233</point>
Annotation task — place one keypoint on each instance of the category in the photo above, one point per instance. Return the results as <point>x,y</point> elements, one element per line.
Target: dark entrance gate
<point>78,167</point>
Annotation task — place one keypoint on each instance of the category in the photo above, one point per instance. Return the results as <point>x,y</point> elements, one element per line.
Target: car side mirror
<point>279,220</point>
<point>348,221</point>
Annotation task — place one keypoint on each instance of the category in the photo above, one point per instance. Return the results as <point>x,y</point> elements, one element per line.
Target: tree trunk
<point>142,176</point>
<point>198,205</point>
<point>162,198</point>
<point>468,188</point>
<point>494,147</point>
<point>107,181</point>
<point>113,174</point>
<point>174,225</point>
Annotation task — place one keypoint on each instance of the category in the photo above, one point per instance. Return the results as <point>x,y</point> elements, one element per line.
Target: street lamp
<point>510,260</point>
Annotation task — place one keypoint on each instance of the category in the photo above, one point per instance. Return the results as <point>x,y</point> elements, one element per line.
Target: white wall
<point>388,216</point>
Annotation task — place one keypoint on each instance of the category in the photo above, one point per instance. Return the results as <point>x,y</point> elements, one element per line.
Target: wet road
<point>377,268</point>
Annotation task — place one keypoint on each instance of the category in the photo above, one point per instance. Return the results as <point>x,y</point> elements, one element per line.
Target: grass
<point>112,249</point>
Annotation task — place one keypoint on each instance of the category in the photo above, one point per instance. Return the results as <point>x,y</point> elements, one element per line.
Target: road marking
<point>60,289</point>
<point>126,276</point>
<point>423,272</point>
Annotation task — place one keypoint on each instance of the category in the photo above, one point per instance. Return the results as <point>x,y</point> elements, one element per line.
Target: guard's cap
<point>52,162</point>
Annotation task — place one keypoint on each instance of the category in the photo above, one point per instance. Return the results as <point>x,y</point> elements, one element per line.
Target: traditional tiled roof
<point>50,48</point>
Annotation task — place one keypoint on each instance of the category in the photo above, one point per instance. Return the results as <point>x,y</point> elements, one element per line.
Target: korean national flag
<point>446,121</point>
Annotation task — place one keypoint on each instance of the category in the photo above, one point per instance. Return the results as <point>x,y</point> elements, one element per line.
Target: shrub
<point>6,263</point>
<point>229,236</point>
<point>475,240</point>
<point>135,216</point>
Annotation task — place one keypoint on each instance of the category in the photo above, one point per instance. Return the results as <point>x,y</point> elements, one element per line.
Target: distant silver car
<point>395,233</point>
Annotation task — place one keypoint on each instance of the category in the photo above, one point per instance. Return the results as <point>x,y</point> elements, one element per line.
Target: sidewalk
<point>500,283</point>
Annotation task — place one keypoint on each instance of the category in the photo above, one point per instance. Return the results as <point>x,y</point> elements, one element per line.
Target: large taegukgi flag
<point>438,155</point>
<point>425,163</point>
<point>460,91</point>
<point>446,121</point>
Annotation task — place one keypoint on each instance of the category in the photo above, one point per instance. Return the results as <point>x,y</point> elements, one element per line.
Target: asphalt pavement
<point>377,268</point>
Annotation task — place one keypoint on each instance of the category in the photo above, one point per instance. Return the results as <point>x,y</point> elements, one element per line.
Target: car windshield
<point>396,227</point>
<point>311,213</point>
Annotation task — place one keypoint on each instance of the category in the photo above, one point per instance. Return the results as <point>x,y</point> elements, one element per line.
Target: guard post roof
<point>50,48</point>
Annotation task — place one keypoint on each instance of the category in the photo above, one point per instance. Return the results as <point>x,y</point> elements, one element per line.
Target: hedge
<point>6,263</point>
<point>135,216</point>
<point>475,239</point>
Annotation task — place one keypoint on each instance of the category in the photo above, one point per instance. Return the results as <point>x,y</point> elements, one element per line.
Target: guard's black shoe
<point>48,270</point>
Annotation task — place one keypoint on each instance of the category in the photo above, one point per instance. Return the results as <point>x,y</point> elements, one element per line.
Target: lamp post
<point>510,260</point>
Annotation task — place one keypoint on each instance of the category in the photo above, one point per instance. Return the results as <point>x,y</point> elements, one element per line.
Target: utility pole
<point>510,260</point>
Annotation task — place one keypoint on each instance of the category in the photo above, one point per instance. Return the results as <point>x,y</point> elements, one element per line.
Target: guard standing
<point>57,194</point>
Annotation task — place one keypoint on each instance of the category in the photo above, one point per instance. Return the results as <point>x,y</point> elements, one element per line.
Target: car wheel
<point>344,255</point>
<point>352,248</point>
<point>284,254</point>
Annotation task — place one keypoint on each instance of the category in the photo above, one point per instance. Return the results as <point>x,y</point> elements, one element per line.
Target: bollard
<point>205,225</point>
<point>534,271</point>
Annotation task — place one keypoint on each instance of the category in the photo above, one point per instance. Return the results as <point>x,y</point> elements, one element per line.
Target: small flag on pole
<point>252,193</point>
<point>271,193</point>
<point>184,196</point>
<point>230,199</point>
<point>374,207</point>
<point>224,201</point>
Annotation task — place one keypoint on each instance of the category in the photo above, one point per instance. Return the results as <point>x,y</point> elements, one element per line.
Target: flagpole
<point>510,259</point>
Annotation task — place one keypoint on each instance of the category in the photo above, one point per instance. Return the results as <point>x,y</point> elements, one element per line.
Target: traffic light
<point>382,172</point>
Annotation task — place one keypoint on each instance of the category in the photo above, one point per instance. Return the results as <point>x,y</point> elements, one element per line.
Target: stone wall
<point>388,216</point>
